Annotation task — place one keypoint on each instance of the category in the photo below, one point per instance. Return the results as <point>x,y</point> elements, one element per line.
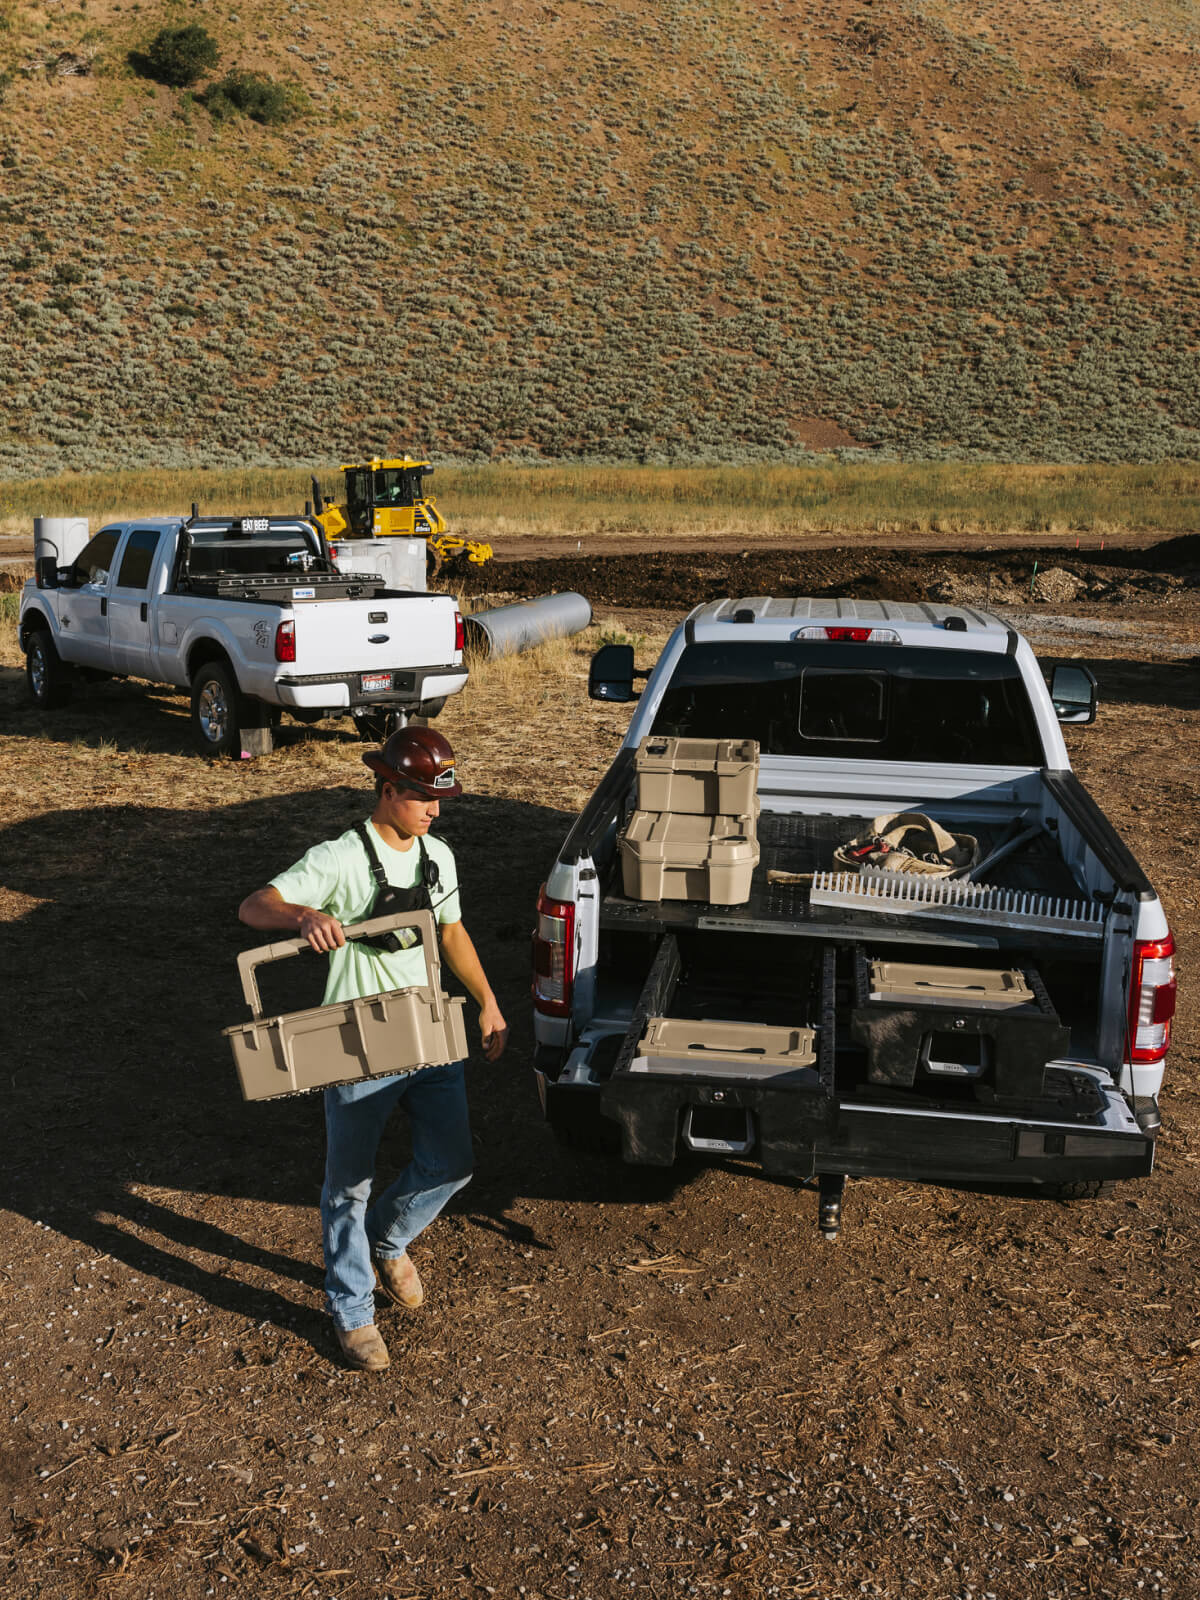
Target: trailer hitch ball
<point>829,1217</point>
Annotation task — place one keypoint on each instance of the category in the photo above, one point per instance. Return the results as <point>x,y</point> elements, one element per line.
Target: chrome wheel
<point>216,711</point>
<point>48,680</point>
<point>39,670</point>
<point>212,711</point>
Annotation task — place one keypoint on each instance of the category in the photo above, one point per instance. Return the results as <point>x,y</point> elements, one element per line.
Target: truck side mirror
<point>46,570</point>
<point>611,674</point>
<point>1073,691</point>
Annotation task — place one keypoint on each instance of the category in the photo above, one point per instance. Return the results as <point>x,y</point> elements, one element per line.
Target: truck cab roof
<point>740,667</point>
<point>218,527</point>
<point>157,524</point>
<point>876,621</point>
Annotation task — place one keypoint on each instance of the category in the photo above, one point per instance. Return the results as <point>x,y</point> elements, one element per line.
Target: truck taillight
<point>285,642</point>
<point>553,946</point>
<point>1151,998</point>
<point>460,631</point>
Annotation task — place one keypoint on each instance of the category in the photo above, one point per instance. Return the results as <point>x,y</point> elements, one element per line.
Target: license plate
<point>374,682</point>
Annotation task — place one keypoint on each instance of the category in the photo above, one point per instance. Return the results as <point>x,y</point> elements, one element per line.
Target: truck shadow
<point>126,1128</point>
<point>125,715</point>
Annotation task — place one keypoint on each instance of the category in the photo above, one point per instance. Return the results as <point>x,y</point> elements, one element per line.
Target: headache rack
<point>276,559</point>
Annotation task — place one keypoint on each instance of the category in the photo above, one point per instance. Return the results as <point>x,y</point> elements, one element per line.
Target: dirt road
<point>622,1383</point>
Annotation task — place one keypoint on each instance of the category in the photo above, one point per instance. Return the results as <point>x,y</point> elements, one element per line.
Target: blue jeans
<point>355,1115</point>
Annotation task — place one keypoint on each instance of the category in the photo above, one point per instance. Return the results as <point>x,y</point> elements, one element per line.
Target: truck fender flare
<point>33,620</point>
<point>207,649</point>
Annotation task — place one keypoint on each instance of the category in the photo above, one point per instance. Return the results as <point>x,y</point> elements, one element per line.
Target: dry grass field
<point>622,1382</point>
<point>535,511</point>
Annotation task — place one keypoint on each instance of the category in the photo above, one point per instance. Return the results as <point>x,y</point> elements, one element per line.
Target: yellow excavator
<point>385,499</point>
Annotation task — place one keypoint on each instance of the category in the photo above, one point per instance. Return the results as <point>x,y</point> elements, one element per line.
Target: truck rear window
<point>216,554</point>
<point>856,701</point>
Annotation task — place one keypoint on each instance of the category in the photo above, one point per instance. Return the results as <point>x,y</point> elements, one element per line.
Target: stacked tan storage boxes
<point>693,835</point>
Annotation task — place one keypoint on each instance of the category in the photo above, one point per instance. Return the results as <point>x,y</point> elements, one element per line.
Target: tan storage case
<point>979,988</point>
<point>728,1049</point>
<point>398,1031</point>
<point>697,777</point>
<point>672,856</point>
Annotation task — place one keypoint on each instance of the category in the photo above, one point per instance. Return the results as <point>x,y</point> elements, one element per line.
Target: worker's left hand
<point>494,1030</point>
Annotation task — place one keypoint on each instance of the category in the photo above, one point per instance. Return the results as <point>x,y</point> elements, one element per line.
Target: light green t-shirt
<point>336,877</point>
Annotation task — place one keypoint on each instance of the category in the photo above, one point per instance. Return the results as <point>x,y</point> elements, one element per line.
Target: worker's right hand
<point>323,932</point>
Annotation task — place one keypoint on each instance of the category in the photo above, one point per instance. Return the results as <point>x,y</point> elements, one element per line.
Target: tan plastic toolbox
<point>730,1049</point>
<point>672,856</point>
<point>697,777</point>
<point>400,1030</point>
<point>980,988</point>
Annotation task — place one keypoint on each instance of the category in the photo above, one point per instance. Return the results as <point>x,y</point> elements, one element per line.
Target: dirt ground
<point>968,572</point>
<point>622,1382</point>
<point>533,547</point>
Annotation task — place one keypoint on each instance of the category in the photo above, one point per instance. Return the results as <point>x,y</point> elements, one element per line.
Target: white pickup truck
<point>1005,1026</point>
<point>248,613</point>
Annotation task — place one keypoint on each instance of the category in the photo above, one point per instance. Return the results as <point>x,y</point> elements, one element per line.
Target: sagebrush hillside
<point>693,230</point>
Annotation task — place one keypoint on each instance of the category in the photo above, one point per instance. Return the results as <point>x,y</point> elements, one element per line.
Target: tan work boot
<point>363,1348</point>
<point>399,1281</point>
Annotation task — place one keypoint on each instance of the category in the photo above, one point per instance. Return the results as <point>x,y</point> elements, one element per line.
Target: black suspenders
<point>389,899</point>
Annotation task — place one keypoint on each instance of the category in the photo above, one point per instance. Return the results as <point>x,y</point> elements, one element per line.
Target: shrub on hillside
<point>255,95</point>
<point>178,56</point>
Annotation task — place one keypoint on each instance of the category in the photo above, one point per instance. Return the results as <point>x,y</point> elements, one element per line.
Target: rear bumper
<point>343,690</point>
<point>313,695</point>
<point>799,1134</point>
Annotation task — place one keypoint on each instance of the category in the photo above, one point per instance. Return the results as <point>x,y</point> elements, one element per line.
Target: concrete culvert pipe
<point>508,630</point>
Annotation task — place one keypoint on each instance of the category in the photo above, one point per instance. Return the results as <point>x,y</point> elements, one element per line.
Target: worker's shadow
<point>126,1129</point>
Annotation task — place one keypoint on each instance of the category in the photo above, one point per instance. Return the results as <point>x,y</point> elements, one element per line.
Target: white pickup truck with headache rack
<point>248,613</point>
<point>724,983</point>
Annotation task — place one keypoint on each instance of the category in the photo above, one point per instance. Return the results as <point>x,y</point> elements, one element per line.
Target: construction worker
<point>387,864</point>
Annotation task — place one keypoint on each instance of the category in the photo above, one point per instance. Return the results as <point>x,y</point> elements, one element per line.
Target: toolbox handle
<point>727,1049</point>
<point>423,921</point>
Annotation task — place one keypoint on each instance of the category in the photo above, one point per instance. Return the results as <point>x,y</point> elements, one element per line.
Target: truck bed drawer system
<point>861,1065</point>
<point>982,1025</point>
<point>778,1097</point>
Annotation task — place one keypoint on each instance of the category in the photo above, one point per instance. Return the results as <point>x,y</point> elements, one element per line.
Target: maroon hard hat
<point>418,759</point>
